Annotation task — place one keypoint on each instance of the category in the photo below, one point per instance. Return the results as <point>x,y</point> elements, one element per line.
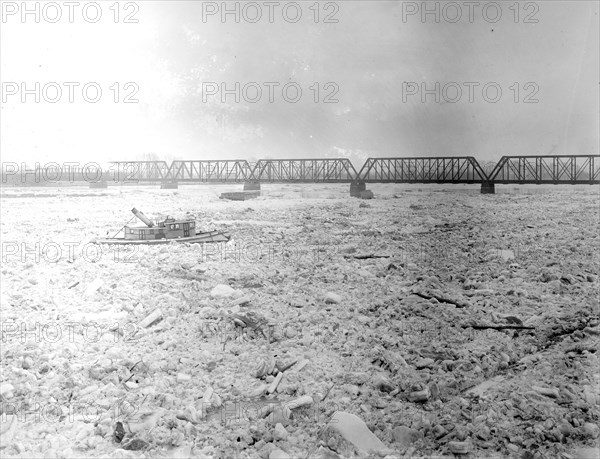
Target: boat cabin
<point>165,229</point>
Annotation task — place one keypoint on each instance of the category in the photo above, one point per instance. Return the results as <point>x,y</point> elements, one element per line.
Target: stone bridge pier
<point>99,184</point>
<point>251,186</point>
<point>173,185</point>
<point>488,188</point>
<point>358,189</point>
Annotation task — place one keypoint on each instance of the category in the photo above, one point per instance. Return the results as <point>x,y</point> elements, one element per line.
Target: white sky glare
<point>104,54</point>
<point>161,61</point>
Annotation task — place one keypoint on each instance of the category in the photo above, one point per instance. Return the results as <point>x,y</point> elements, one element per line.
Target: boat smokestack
<point>142,217</point>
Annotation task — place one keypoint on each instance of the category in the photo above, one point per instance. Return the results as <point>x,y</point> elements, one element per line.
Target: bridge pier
<point>356,188</point>
<point>99,184</point>
<point>251,186</point>
<point>488,188</point>
<point>169,185</point>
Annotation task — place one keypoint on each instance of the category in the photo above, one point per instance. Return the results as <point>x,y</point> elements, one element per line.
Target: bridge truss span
<point>139,171</point>
<point>327,170</point>
<point>237,170</point>
<point>559,169</point>
<point>457,169</point>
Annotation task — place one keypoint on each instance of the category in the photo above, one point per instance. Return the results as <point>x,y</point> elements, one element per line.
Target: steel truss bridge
<point>555,169</point>
<point>338,170</point>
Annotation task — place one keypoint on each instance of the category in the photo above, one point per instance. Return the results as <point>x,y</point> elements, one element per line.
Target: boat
<point>163,232</point>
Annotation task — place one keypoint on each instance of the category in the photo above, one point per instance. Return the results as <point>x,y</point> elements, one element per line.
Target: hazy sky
<point>372,65</point>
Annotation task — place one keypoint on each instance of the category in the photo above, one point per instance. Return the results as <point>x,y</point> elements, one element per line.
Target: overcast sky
<point>370,65</point>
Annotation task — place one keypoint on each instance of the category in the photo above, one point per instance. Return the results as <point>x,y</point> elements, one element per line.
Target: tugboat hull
<point>199,238</point>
